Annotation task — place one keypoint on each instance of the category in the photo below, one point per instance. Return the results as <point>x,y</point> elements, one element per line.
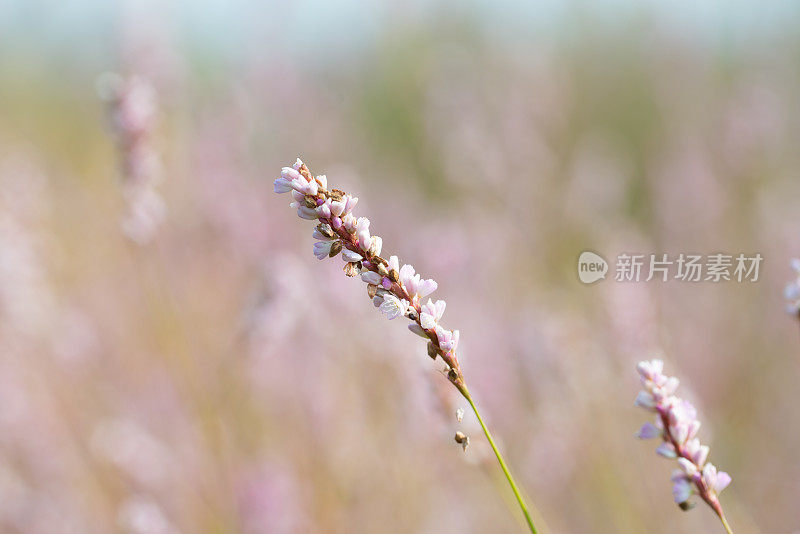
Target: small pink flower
<point>393,263</point>
<point>282,185</point>
<point>414,285</point>
<point>324,209</point>
<point>431,313</point>
<point>349,222</point>
<point>792,291</point>
<point>393,307</point>
<point>322,249</point>
<point>350,256</point>
<point>371,277</point>
<point>376,246</point>
<point>362,233</point>
<point>448,341</point>
<point>681,490</point>
<point>648,431</point>
<point>666,450</point>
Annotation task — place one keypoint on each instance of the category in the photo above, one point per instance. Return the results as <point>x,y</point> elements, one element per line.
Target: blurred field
<point>221,379</point>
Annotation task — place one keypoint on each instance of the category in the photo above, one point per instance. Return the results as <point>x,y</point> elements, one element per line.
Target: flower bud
<point>433,352</point>
<point>462,440</point>
<point>350,269</point>
<point>325,229</point>
<point>336,248</point>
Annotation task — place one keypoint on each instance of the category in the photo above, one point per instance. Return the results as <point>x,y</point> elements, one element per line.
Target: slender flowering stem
<point>502,462</point>
<point>676,425</point>
<point>397,290</point>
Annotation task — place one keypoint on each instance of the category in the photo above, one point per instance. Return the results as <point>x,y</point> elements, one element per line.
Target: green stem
<point>725,524</point>
<point>502,462</point>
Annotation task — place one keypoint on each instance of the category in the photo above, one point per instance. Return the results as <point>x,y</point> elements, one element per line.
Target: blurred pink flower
<point>133,114</point>
<point>792,290</point>
<point>677,425</point>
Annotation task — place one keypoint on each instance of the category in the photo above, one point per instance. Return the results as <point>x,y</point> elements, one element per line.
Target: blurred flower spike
<point>133,114</point>
<point>676,425</point>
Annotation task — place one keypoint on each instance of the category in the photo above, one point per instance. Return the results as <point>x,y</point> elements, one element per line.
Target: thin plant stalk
<point>725,523</point>
<point>465,392</point>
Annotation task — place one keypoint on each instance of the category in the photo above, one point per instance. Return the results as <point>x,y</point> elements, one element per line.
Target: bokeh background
<point>220,379</point>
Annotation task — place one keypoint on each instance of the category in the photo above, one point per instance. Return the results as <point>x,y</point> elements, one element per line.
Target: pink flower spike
<point>395,289</point>
<point>677,420</point>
